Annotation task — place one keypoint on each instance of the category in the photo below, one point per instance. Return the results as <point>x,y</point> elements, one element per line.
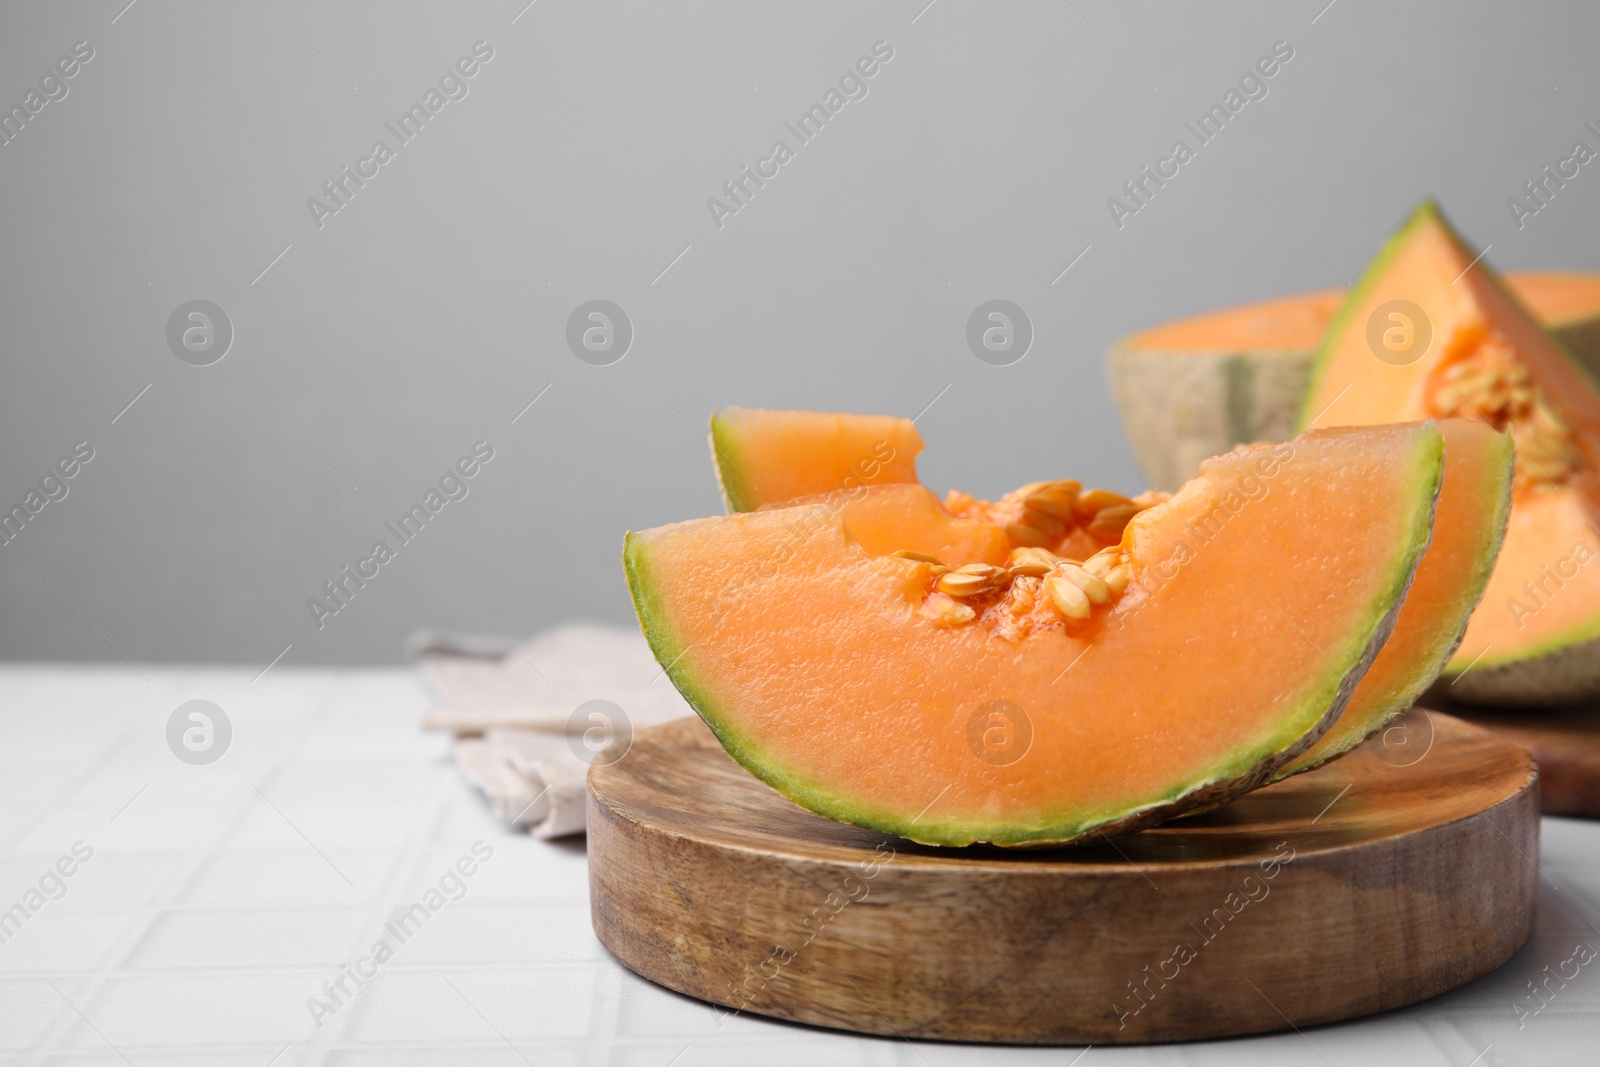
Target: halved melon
<point>844,681</point>
<point>1199,385</point>
<point>758,453</point>
<point>1533,637</point>
<point>1468,526</point>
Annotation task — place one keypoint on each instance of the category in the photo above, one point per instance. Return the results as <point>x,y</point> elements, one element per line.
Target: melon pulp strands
<point>823,681</point>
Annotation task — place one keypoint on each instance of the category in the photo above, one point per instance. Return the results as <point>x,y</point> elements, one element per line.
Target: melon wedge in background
<point>1431,331</point>
<point>764,457</point>
<point>1218,640</point>
<point>1199,385</point>
<point>772,458</point>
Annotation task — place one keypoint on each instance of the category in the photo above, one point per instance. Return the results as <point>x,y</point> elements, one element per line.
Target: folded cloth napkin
<point>529,721</point>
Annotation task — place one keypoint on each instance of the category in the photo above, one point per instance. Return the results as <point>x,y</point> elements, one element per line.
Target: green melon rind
<point>1488,553</point>
<point>1300,727</point>
<point>1558,668</point>
<point>737,492</point>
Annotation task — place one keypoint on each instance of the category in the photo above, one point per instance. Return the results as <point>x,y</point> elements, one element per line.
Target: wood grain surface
<point>1401,871</point>
<point>1565,742</point>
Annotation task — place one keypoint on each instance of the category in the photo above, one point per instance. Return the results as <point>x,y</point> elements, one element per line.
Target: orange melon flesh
<point>1468,526</point>
<point>764,457</point>
<point>1524,614</point>
<point>890,518</point>
<point>813,664</point>
<point>1298,322</point>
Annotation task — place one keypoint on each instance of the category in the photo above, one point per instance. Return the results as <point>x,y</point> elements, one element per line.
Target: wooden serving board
<point>1565,742</point>
<point>1394,874</point>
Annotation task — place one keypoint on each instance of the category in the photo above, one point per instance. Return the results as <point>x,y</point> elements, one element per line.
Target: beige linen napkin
<point>528,721</point>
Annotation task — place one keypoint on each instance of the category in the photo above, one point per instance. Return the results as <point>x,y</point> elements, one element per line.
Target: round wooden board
<point>1404,870</point>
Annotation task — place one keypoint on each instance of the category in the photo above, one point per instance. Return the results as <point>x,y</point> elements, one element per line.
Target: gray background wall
<point>426,314</point>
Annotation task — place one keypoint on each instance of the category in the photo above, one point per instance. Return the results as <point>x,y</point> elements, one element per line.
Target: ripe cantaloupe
<point>1197,386</point>
<point>1430,331</point>
<point>1035,715</point>
<point>1472,511</point>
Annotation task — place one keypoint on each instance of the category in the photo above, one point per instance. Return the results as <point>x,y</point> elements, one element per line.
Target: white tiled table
<point>219,899</point>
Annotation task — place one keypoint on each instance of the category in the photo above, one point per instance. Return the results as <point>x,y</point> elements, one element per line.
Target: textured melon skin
<point>1242,772</point>
<point>1563,668</point>
<point>1179,408</point>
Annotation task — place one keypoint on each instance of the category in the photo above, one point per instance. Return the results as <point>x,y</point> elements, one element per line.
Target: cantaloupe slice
<point>1468,527</point>
<point>764,457</point>
<point>1533,636</point>
<point>848,684</point>
<point>1075,524</point>
<point>1199,385</point>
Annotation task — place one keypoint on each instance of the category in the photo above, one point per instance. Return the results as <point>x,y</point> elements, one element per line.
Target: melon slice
<point>763,457</point>
<point>1038,714</point>
<point>1468,526</point>
<point>1199,385</point>
<point>1533,638</point>
<point>1077,525</point>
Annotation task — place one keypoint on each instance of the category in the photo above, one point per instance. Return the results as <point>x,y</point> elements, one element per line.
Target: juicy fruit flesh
<point>1543,592</point>
<point>1047,552</point>
<point>890,518</point>
<point>1469,523</point>
<point>1490,361</point>
<point>816,668</point>
<point>765,457</point>
<point>1297,323</point>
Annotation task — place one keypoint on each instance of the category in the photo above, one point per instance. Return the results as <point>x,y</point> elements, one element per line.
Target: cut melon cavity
<point>1044,703</point>
<point>1431,331</point>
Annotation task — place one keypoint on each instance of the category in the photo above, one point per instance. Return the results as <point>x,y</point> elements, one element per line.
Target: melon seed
<point>1023,534</point>
<point>918,557</point>
<point>1117,579</point>
<point>1093,500</point>
<point>1032,562</point>
<point>1055,499</point>
<point>1102,561</point>
<point>1093,588</point>
<point>973,579</point>
<point>1066,598</point>
<point>1108,523</point>
<point>946,612</point>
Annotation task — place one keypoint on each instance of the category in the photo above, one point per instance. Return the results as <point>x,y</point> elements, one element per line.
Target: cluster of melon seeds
<point>1014,597</point>
<point>1486,381</point>
<point>1060,516</point>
